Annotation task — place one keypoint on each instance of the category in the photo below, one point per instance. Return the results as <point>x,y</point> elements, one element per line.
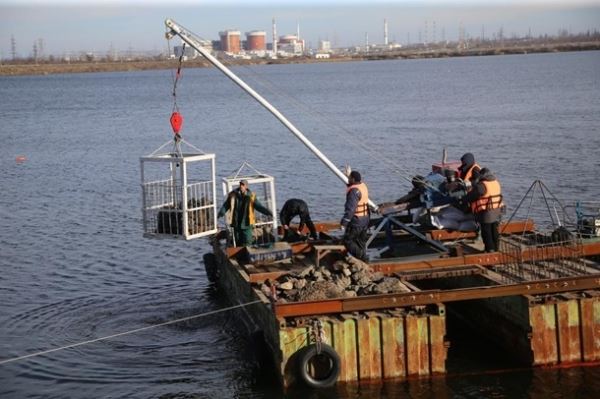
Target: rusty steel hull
<point>371,345</point>
<point>565,331</point>
<point>397,335</point>
<point>376,345</point>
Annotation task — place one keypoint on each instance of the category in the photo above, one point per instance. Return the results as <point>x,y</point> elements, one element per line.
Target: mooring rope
<point>14,359</point>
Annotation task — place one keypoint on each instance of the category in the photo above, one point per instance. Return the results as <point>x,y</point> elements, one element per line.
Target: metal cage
<point>178,194</point>
<point>265,228</point>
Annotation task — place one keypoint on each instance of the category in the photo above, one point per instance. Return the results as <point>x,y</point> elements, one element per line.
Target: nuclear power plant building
<point>230,41</point>
<point>256,40</point>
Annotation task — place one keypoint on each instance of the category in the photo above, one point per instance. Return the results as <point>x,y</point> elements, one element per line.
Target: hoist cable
<point>177,77</point>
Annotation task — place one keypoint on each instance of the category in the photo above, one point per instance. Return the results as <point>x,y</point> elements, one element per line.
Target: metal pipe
<point>186,37</point>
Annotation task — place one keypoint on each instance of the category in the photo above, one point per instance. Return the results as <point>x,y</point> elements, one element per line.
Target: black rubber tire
<point>210,265</point>
<point>328,354</point>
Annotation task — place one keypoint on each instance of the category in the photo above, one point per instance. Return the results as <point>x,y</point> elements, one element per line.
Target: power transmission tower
<point>13,47</point>
<point>40,46</point>
<point>35,51</point>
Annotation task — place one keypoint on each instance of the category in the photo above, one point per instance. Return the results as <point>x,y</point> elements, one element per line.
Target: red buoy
<point>176,122</point>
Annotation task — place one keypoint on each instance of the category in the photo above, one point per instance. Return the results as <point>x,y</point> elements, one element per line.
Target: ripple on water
<point>172,354</point>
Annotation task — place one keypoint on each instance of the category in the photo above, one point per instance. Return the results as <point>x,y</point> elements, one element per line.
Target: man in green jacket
<point>239,206</point>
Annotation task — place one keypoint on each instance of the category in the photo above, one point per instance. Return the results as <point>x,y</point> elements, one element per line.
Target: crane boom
<point>175,29</point>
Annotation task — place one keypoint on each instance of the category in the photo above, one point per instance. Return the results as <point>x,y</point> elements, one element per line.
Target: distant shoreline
<point>10,69</point>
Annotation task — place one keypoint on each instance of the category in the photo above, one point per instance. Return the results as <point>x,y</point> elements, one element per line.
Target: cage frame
<point>183,159</point>
<point>229,183</point>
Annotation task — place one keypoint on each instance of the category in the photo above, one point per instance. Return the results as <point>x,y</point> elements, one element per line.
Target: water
<point>75,266</point>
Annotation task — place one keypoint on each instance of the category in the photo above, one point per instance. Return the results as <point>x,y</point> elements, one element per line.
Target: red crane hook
<point>176,122</point>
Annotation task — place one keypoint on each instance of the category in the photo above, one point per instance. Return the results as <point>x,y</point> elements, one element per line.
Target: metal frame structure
<point>266,194</point>
<point>177,206</point>
<point>189,38</point>
<point>420,298</point>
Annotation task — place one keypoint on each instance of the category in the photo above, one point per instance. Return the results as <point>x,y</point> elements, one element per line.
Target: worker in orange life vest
<point>467,173</point>
<point>485,200</point>
<point>467,168</point>
<point>356,217</point>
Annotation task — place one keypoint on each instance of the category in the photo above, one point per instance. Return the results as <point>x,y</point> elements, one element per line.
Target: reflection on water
<point>75,266</point>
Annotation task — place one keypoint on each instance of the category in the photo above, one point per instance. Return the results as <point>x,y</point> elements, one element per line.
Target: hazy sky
<point>77,25</point>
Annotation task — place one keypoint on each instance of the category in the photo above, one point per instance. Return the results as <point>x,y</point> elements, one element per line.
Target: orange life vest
<point>469,172</point>
<point>362,208</point>
<point>492,199</point>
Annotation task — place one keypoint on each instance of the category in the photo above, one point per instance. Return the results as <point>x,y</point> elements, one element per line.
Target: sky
<point>71,26</point>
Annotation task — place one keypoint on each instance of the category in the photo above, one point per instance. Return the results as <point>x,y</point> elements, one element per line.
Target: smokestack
<point>298,31</point>
<point>274,37</point>
<point>385,32</point>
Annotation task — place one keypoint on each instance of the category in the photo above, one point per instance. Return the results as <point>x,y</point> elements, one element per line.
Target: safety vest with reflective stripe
<point>492,199</point>
<point>469,172</point>
<point>362,208</point>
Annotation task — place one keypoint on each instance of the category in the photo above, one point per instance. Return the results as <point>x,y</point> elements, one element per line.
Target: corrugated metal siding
<point>590,316</point>
<point>567,331</point>
<point>376,345</point>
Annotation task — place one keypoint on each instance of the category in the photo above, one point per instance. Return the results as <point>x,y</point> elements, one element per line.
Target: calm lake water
<point>74,264</point>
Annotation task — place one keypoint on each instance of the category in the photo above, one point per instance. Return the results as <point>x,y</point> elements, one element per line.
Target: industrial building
<point>290,44</point>
<point>230,41</point>
<point>256,40</point>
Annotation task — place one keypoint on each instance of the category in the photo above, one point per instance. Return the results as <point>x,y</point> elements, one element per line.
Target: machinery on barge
<point>325,317</point>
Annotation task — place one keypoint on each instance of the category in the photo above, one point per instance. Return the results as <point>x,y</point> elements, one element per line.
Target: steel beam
<point>485,259</point>
<point>341,305</point>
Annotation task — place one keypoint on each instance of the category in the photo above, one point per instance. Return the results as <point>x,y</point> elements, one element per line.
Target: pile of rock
<point>343,279</point>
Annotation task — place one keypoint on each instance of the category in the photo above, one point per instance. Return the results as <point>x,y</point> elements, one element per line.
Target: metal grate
<point>535,257</point>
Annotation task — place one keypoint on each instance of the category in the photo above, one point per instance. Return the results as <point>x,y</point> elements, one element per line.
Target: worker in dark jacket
<point>356,217</point>
<point>485,200</point>
<point>413,198</point>
<point>239,206</point>
<point>292,208</point>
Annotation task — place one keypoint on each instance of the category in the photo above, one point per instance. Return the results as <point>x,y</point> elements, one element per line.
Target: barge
<point>325,317</point>
<point>539,302</point>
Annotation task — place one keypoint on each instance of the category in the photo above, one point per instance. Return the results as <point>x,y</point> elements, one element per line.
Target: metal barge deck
<point>543,318</point>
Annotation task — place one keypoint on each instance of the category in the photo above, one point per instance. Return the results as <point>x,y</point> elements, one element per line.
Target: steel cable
<point>14,359</point>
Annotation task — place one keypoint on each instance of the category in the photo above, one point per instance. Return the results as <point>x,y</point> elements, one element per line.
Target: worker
<point>356,217</point>
<point>239,206</point>
<point>292,208</point>
<point>485,200</point>
<point>413,199</point>
<point>468,172</point>
<point>468,167</point>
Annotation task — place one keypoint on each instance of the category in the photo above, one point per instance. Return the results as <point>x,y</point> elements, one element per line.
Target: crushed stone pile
<point>343,279</point>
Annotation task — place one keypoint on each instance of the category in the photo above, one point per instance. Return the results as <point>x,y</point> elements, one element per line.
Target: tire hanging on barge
<point>318,368</point>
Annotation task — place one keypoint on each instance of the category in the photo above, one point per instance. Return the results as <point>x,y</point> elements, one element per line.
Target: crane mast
<point>176,30</point>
